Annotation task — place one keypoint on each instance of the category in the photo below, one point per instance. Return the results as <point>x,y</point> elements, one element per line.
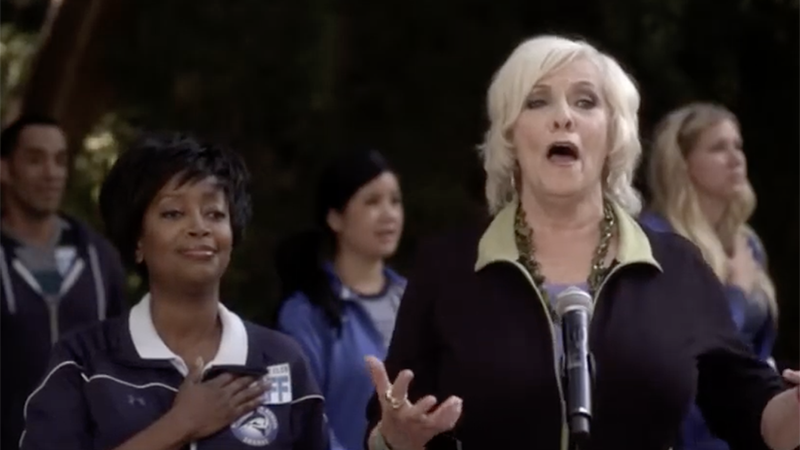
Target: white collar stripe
<point>233,347</point>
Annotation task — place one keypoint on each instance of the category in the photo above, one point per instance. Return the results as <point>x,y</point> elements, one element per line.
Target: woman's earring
<point>516,174</point>
<point>606,173</point>
<point>139,257</point>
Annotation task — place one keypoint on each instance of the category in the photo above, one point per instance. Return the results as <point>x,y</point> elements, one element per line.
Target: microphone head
<point>573,298</point>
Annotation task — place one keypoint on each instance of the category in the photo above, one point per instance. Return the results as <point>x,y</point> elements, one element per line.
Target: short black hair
<point>9,137</point>
<point>149,164</point>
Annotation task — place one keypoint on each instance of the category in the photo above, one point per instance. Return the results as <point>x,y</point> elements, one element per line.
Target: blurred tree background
<point>290,83</point>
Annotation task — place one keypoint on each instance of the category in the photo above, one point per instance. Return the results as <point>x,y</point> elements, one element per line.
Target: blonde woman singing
<point>476,358</point>
<point>698,179</point>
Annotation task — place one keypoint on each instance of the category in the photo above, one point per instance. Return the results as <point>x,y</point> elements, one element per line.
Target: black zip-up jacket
<point>92,289</point>
<point>472,324</point>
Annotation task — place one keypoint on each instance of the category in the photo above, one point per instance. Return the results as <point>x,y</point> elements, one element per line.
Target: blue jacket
<point>337,355</point>
<point>93,288</point>
<point>695,434</point>
<point>109,382</point>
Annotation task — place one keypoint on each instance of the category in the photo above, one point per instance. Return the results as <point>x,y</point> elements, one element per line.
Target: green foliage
<point>17,47</point>
<point>98,153</point>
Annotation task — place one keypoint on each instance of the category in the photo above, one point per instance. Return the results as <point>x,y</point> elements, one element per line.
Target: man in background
<point>56,273</point>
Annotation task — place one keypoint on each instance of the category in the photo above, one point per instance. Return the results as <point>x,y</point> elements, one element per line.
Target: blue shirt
<point>109,382</point>
<point>337,355</point>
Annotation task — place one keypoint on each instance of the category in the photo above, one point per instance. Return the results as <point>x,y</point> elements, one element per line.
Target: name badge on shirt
<point>280,378</point>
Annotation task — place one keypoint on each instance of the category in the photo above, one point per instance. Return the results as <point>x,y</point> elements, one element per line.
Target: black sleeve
<point>310,414</point>
<point>413,344</point>
<point>56,414</point>
<point>308,408</point>
<point>734,385</point>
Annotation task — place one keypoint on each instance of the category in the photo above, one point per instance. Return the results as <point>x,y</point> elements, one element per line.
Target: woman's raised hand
<point>406,426</point>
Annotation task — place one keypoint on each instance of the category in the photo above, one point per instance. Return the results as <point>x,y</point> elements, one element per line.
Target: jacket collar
<point>497,243</point>
<point>394,282</point>
<point>233,347</point>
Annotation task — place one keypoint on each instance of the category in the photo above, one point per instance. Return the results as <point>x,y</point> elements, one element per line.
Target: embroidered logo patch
<point>258,428</point>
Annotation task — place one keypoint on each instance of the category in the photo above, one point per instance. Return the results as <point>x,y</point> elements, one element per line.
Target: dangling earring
<point>138,256</point>
<point>516,174</point>
<point>605,174</point>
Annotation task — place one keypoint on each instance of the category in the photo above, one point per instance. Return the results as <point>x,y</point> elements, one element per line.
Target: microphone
<point>574,309</point>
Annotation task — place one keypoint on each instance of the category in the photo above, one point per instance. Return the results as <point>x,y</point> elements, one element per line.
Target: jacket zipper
<point>564,429</point>
<point>52,302</point>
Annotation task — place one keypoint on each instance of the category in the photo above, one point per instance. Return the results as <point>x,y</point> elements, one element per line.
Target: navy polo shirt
<point>109,382</point>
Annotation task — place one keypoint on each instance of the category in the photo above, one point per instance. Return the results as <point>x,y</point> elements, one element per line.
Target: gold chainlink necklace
<point>523,235</point>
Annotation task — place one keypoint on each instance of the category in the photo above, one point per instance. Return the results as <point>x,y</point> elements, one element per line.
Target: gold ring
<point>395,403</point>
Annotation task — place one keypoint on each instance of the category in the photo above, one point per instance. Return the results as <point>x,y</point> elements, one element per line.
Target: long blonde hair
<point>675,197</point>
<point>530,62</point>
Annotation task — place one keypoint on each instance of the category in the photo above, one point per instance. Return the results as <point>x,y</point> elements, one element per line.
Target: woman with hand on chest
<point>180,370</point>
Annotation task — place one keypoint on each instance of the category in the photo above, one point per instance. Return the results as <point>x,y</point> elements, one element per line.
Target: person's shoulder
<point>297,308</point>
<point>457,243</point>
<point>297,302</point>
<point>654,221</point>
<point>460,234</point>
<point>447,255</point>
<point>90,343</point>
<point>81,226</point>
<point>395,278</point>
<point>674,251</point>
<point>685,282</point>
<point>271,344</point>
<point>91,236</point>
<point>755,243</point>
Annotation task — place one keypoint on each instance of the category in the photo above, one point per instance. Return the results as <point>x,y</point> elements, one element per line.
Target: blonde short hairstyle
<point>530,62</point>
<point>675,197</point>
